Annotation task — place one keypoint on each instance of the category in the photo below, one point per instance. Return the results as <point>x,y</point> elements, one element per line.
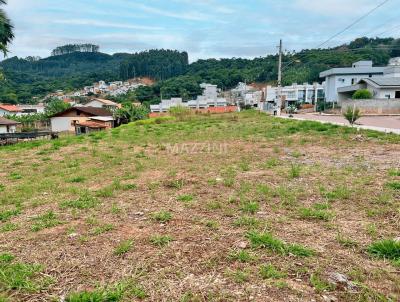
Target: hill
<point>27,78</point>
<point>281,209</point>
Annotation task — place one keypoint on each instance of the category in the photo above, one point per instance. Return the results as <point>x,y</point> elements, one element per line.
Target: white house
<point>297,93</point>
<point>165,105</point>
<point>386,86</point>
<point>341,77</point>
<point>9,110</point>
<point>32,109</point>
<point>246,95</point>
<point>7,126</point>
<point>101,103</point>
<point>67,120</point>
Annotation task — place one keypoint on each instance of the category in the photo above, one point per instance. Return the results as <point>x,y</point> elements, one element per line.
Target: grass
<point>269,271</point>
<point>268,241</point>
<point>394,185</point>
<point>316,213</point>
<point>161,240</point>
<point>385,249</point>
<point>234,215</point>
<point>45,221</point>
<point>15,275</point>
<point>123,248</point>
<point>394,172</point>
<point>161,216</point>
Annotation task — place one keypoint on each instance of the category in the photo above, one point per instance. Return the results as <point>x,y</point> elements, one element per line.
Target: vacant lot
<point>240,207</point>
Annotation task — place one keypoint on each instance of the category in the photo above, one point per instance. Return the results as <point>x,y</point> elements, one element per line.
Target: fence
<point>13,138</point>
<point>373,106</point>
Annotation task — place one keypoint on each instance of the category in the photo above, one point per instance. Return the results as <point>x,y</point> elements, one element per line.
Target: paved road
<point>379,123</point>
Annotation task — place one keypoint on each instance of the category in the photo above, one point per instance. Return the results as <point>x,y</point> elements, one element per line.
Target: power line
<point>354,23</point>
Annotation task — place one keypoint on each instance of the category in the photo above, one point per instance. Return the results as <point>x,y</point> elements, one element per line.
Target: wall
<point>63,124</point>
<point>373,106</point>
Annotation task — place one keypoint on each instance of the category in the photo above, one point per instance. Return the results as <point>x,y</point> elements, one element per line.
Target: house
<point>341,77</point>
<point>101,103</point>
<point>6,109</point>
<point>295,94</point>
<point>65,121</point>
<point>88,127</point>
<point>386,86</point>
<point>32,109</point>
<point>7,126</point>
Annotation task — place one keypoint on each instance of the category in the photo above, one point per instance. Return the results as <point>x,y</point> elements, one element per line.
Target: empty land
<point>237,207</point>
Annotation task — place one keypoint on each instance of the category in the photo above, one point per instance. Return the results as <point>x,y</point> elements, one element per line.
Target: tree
<point>362,94</point>
<point>352,115</point>
<point>130,113</point>
<point>55,106</point>
<point>6,30</point>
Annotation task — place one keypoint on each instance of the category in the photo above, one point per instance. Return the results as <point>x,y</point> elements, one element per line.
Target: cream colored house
<point>7,126</point>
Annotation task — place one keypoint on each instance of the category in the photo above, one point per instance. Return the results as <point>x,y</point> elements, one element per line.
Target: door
<point>397,95</point>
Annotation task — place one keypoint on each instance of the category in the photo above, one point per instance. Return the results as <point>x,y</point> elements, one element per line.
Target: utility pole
<point>279,96</point>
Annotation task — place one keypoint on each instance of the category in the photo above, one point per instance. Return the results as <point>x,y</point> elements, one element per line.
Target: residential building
<point>67,120</point>
<point>296,93</point>
<point>8,126</point>
<point>246,95</point>
<point>31,109</point>
<point>6,109</point>
<point>386,86</point>
<point>341,77</point>
<point>102,103</point>
<point>209,99</point>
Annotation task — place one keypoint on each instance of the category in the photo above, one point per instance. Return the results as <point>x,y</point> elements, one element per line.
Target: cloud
<point>335,7</point>
<point>106,24</point>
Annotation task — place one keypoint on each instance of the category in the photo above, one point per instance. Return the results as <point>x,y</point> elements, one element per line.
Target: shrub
<point>352,115</point>
<point>161,240</point>
<point>270,272</point>
<point>362,94</point>
<point>162,216</point>
<point>387,249</point>
<point>123,248</point>
<point>180,113</point>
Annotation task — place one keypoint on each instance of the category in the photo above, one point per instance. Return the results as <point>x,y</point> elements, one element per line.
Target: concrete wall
<point>10,129</point>
<point>64,124</point>
<point>373,106</point>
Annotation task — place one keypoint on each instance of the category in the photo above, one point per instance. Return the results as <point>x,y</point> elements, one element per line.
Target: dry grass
<point>128,213</point>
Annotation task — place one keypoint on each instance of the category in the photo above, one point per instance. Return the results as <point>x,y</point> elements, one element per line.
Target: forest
<point>29,79</point>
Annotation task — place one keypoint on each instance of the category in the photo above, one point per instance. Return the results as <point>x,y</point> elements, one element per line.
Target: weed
<point>85,201</point>
<point>394,172</point>
<point>102,229</point>
<point>77,179</point>
<point>162,216</point>
<point>175,184</point>
<point>346,242</point>
<point>123,248</point>
<point>45,221</point>
<point>20,276</point>
<point>214,205</point>
<point>246,221</point>
<point>315,213</point>
<point>271,272</point>
<point>394,185</point>
<point>250,207</point>
<point>2,187</point>
<point>372,230</point>
<point>319,284</point>
<point>211,224</point>
<point>339,193</point>
<point>15,176</point>
<point>386,249</point>
<point>267,241</point>
<point>239,276</point>
<point>185,198</point>
<point>161,240</point>
<point>270,163</point>
<point>8,227</point>
<point>8,214</point>
<point>294,171</point>
<point>229,177</point>
<point>241,256</point>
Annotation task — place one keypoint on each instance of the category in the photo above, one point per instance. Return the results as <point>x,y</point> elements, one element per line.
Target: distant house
<point>9,110</point>
<point>101,103</point>
<point>67,120</point>
<point>342,77</point>
<point>7,126</point>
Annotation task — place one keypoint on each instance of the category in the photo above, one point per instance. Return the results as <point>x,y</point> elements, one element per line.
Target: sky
<point>203,28</point>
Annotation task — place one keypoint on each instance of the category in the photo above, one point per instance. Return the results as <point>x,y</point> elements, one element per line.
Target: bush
<point>180,113</point>
<point>362,94</point>
<point>352,115</point>
<point>387,249</point>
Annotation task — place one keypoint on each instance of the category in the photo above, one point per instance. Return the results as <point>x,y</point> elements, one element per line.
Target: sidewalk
<point>386,124</point>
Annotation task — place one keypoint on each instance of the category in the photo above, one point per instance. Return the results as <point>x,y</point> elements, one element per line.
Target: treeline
<point>157,64</point>
<point>176,77</point>
<point>71,48</point>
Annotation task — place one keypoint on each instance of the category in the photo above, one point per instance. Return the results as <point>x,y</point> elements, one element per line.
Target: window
<point>387,96</point>
<point>397,95</point>
<point>353,81</point>
<point>370,75</point>
<point>341,80</point>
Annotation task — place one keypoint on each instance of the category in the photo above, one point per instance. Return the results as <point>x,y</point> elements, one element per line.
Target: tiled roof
<point>91,125</point>
<point>383,81</point>
<point>4,121</point>
<point>93,111</point>
<point>10,108</point>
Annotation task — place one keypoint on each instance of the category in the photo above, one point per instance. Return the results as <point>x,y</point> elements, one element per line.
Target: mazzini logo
<point>197,148</point>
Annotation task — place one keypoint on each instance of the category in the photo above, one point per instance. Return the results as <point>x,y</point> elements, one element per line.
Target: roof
<point>93,111</point>
<point>106,102</point>
<point>102,118</point>
<point>10,108</point>
<point>383,82</point>
<point>92,125</point>
<point>351,70</point>
<point>4,121</point>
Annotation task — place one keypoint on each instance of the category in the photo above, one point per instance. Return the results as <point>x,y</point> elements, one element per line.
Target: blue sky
<point>204,28</point>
